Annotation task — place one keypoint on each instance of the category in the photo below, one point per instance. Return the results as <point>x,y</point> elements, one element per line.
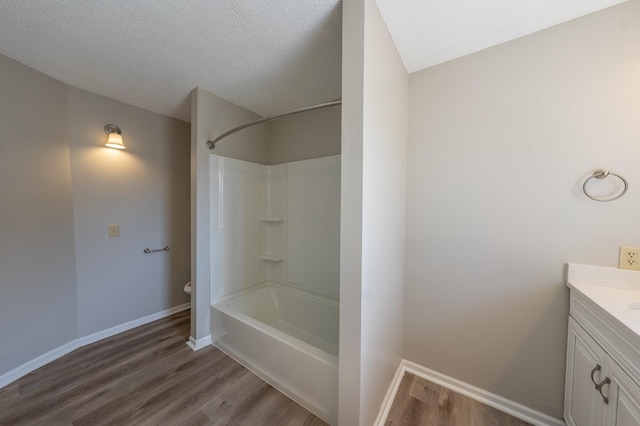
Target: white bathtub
<point>289,338</point>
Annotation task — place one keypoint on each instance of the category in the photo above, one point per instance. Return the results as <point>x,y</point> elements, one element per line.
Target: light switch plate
<point>114,231</point>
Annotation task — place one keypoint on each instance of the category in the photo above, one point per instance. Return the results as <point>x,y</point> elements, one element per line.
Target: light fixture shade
<point>115,137</point>
<point>115,141</point>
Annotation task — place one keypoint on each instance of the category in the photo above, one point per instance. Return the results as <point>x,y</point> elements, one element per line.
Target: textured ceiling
<point>429,32</point>
<point>268,56</point>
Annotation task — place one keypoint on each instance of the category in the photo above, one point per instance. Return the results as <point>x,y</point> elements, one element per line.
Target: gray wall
<point>303,136</point>
<point>500,143</point>
<point>37,266</point>
<point>350,374</point>
<point>60,276</point>
<point>145,190</point>
<point>210,117</point>
<point>385,137</point>
<point>374,158</point>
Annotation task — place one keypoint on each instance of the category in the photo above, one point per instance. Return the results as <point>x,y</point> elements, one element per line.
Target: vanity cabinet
<point>582,401</point>
<point>624,399</point>
<point>601,384</point>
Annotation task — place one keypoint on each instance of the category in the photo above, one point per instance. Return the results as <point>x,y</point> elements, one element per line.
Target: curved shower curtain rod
<point>212,143</point>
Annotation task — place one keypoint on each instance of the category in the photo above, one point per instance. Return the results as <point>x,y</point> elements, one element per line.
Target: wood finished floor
<point>147,376</point>
<point>420,402</point>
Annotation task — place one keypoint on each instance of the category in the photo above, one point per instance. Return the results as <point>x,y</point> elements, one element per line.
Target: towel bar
<point>148,250</point>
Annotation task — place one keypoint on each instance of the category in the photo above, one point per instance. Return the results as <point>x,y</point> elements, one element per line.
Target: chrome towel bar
<point>148,250</point>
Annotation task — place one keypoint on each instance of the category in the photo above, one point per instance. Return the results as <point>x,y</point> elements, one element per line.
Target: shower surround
<point>275,261</point>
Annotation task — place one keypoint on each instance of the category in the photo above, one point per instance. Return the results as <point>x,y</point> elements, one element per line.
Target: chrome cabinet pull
<point>596,368</point>
<point>599,388</point>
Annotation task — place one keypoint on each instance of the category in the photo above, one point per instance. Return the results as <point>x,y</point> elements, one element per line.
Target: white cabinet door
<point>623,405</point>
<point>585,364</point>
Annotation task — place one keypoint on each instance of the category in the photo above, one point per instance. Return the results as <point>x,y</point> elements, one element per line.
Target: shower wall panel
<point>314,225</point>
<point>278,223</point>
<point>273,223</point>
<point>239,224</point>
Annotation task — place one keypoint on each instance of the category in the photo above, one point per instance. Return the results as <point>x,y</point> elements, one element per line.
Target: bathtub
<point>289,338</point>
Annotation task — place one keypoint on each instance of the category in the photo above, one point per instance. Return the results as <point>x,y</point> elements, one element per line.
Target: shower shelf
<point>272,219</point>
<point>271,258</point>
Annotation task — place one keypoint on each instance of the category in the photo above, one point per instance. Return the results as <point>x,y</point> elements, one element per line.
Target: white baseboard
<point>38,362</point>
<point>510,407</point>
<point>387,402</point>
<point>196,345</point>
<point>58,352</point>
<point>92,338</point>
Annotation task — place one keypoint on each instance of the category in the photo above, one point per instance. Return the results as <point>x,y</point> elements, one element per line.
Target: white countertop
<point>612,289</point>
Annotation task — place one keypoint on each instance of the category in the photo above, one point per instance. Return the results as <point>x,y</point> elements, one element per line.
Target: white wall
<point>144,189</point>
<point>37,265</point>
<point>500,143</point>
<point>375,125</point>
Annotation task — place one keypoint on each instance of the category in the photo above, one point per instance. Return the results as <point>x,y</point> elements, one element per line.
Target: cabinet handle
<point>596,368</point>
<point>599,388</point>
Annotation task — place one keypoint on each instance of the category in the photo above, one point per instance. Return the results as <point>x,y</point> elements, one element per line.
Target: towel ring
<point>601,174</point>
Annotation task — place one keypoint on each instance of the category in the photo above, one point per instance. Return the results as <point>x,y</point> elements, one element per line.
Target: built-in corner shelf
<point>272,258</point>
<point>270,219</point>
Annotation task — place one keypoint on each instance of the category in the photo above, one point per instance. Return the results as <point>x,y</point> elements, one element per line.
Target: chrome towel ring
<point>601,174</point>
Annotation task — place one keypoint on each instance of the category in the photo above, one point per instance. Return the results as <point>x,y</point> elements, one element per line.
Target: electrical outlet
<point>114,231</point>
<point>629,258</point>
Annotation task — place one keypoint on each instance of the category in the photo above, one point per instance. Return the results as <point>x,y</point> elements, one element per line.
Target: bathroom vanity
<point>602,383</point>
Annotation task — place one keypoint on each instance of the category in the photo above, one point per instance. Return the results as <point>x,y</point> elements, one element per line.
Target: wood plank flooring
<point>147,376</point>
<point>420,402</point>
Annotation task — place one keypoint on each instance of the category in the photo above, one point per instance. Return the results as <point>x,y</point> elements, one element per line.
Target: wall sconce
<point>115,137</point>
